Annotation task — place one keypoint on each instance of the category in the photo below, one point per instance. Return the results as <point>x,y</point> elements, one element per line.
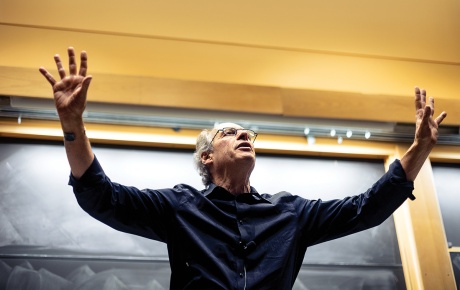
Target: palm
<point>70,91</point>
<point>67,94</point>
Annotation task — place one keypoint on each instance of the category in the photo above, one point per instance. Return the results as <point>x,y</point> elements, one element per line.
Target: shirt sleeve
<point>327,220</point>
<point>141,212</point>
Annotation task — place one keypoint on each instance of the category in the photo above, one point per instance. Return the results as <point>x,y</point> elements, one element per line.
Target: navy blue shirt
<point>217,240</point>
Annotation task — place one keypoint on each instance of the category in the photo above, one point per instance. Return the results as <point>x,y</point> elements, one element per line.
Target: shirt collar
<point>214,189</point>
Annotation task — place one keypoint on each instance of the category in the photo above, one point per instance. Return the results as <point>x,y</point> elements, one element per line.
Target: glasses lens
<point>229,131</point>
<point>233,132</point>
<point>251,135</point>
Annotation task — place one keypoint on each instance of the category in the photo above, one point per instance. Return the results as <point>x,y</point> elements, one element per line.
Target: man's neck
<point>233,185</point>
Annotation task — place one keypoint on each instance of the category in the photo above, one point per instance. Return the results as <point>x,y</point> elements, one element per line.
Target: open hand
<point>70,91</point>
<point>426,128</point>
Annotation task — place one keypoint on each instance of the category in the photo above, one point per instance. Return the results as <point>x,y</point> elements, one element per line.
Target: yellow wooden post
<point>421,236</point>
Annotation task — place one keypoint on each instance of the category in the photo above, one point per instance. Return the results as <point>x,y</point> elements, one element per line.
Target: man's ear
<point>206,158</point>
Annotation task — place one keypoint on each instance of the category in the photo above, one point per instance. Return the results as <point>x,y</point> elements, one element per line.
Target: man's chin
<point>248,156</point>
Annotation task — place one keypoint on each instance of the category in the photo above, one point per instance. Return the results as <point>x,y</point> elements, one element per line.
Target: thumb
<point>85,84</point>
<point>440,118</point>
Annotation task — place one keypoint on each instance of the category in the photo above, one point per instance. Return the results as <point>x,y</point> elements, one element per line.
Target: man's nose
<point>242,134</point>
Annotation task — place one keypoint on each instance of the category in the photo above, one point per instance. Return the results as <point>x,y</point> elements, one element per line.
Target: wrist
<point>423,145</point>
<point>73,130</point>
<point>72,125</point>
<point>69,136</point>
<point>74,135</point>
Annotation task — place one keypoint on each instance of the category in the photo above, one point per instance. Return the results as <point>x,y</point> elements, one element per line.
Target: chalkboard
<point>447,183</point>
<point>41,221</point>
<point>329,178</point>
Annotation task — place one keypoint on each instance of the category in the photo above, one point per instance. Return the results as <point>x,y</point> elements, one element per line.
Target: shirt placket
<point>243,244</point>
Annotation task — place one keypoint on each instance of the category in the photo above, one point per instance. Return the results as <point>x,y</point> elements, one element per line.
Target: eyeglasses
<point>229,131</point>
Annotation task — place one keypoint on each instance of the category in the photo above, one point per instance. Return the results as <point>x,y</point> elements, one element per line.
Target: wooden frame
<point>236,98</point>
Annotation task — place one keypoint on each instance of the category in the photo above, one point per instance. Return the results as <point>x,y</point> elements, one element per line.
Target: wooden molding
<point>184,94</point>
<point>186,138</point>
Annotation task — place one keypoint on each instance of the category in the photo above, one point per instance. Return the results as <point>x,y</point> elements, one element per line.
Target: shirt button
<point>240,221</point>
<point>241,275</point>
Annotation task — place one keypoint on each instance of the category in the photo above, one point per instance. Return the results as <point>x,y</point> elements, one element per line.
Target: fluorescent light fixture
<point>121,114</point>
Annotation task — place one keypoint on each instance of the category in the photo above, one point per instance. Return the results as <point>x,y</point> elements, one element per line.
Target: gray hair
<point>203,145</point>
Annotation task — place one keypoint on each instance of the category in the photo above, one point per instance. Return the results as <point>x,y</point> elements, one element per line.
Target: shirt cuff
<point>398,176</point>
<point>92,176</point>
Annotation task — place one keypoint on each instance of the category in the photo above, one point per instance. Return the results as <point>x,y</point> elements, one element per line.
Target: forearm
<point>79,152</point>
<point>338,218</point>
<point>414,158</point>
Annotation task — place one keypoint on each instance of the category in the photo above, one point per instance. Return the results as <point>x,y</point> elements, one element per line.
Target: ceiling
<point>367,47</point>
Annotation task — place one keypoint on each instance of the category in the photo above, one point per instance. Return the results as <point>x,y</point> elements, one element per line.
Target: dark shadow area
<point>106,274</point>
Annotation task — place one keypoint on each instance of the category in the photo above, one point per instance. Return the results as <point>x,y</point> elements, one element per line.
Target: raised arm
<point>426,134</point>
<point>70,101</point>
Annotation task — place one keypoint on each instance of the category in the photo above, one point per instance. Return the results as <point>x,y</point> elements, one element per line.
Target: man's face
<point>231,150</point>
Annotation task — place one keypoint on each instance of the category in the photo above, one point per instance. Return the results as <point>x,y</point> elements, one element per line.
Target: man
<point>228,236</point>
